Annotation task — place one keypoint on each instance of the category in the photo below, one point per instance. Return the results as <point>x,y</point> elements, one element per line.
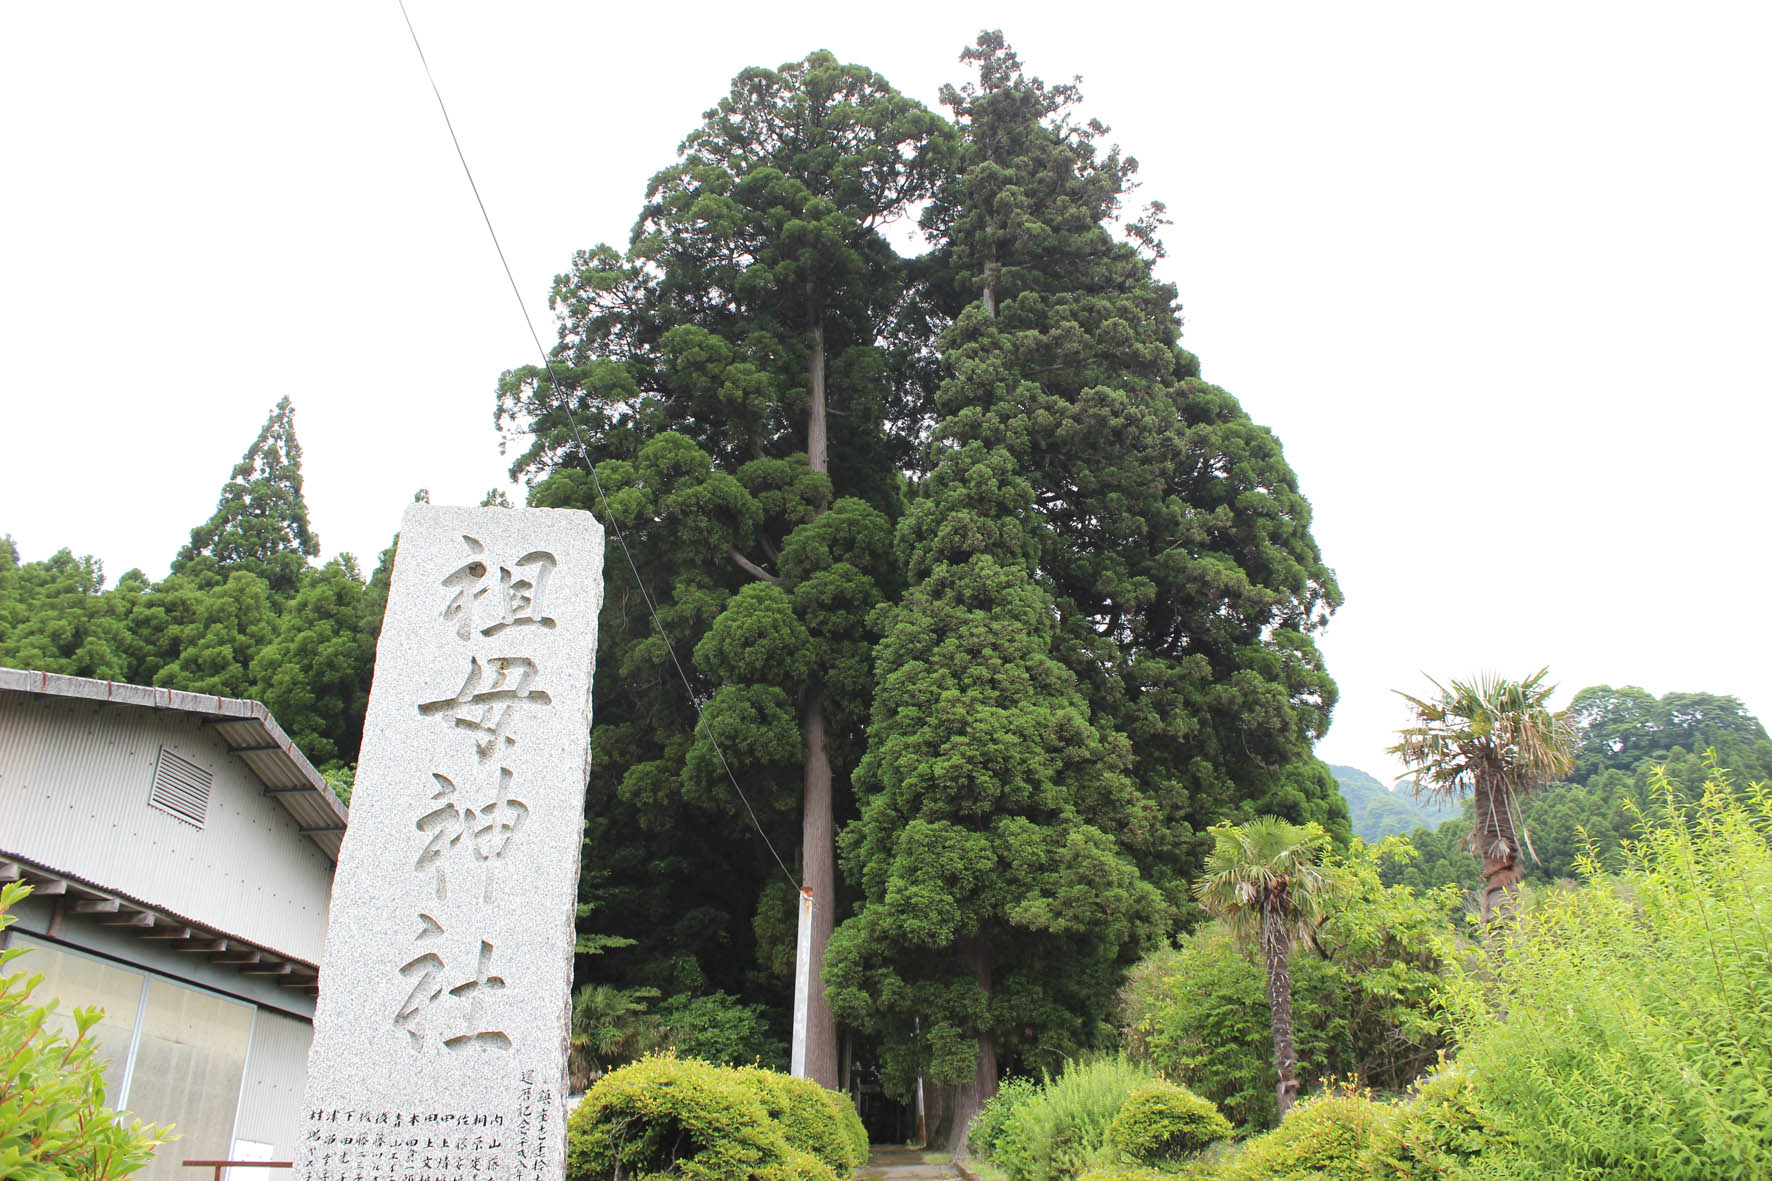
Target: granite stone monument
<point>443,1014</point>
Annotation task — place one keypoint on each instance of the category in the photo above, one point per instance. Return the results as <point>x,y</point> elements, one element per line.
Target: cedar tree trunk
<point>970,1097</point>
<point>817,813</point>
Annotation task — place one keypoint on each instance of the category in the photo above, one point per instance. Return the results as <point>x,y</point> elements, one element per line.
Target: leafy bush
<point>1163,1124</point>
<point>679,1117</point>
<point>721,1029</point>
<point>1328,1137</point>
<point>814,1120</point>
<point>1198,1014</point>
<point>1638,1033</point>
<point>1058,1133</point>
<point>53,1121</point>
<point>1441,1131</point>
<point>987,1125</point>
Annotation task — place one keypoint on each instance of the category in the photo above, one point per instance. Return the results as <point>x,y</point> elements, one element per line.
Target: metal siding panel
<point>276,1070</point>
<point>75,777</point>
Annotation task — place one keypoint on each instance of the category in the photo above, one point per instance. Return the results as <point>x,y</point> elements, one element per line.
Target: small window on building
<point>181,788</point>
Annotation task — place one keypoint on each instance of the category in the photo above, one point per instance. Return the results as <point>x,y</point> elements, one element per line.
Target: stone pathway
<point>901,1164</point>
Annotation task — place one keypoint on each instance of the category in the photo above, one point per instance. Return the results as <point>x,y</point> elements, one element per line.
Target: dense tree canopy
<point>762,385</point>
<point>242,614</point>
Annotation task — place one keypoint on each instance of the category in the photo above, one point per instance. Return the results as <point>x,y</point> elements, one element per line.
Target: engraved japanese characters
<point>440,1033</point>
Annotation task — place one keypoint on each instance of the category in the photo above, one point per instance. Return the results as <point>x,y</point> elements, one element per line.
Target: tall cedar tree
<point>1172,535</point>
<point>744,375</point>
<point>260,524</point>
<point>1159,583</point>
<point>999,907</point>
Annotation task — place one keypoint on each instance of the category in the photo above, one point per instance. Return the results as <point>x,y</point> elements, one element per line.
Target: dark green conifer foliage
<point>55,615</point>
<point>738,374</point>
<point>260,523</point>
<point>997,904</point>
<point>315,675</point>
<point>1172,535</point>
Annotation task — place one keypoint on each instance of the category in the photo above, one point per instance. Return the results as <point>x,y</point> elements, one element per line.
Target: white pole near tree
<point>802,983</point>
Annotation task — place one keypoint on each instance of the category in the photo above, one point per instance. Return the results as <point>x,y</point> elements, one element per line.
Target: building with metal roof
<point>181,850</point>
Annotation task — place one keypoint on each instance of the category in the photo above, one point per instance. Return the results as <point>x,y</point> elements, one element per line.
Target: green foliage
<point>1058,1133</point>
<point>721,1029</point>
<point>1365,996</point>
<point>53,1121</point>
<point>1164,1124</point>
<point>987,1126</point>
<point>55,615</point>
<point>260,524</point>
<point>609,1025</point>
<point>815,1121</point>
<point>678,1117</point>
<point>1198,1014</point>
<point>1638,1033</point>
<point>1329,1137</point>
<point>314,676</point>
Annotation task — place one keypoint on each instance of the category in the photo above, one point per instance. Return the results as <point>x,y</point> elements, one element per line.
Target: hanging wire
<point>621,539</point>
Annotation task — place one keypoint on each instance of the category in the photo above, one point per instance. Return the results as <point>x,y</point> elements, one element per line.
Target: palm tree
<point>1498,740</point>
<point>1265,880</point>
<point>609,1025</point>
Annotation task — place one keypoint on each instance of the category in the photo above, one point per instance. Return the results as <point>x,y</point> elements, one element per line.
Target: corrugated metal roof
<point>247,727</point>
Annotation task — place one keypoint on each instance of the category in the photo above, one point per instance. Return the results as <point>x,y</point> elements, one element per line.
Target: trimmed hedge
<point>665,1116</point>
<point>1163,1124</point>
<point>814,1120</point>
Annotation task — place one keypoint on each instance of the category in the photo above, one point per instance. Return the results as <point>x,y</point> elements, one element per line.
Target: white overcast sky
<point>1497,275</point>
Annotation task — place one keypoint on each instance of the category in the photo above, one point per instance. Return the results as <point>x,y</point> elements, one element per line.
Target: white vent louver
<point>181,788</point>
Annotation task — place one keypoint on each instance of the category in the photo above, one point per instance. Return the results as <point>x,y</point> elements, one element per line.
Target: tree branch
<point>751,568</point>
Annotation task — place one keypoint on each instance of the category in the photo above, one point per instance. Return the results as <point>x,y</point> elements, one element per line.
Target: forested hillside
<point>1376,811</point>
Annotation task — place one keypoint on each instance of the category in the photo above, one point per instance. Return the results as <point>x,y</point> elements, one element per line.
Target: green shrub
<point>1163,1124</point>
<point>665,1116</point>
<point>53,1121</point>
<point>1364,1005</point>
<point>849,1121</point>
<point>1058,1133</point>
<point>810,1117</point>
<point>1327,1137</point>
<point>987,1125</point>
<point>721,1029</point>
<point>1439,1132</point>
<point>1198,1014</point>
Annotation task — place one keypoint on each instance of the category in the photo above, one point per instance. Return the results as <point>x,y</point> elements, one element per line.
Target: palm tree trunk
<point>1496,830</point>
<point>1276,948</point>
